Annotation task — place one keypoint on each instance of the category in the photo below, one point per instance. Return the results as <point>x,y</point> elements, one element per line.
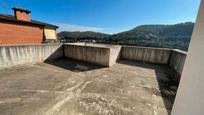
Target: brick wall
<point>22,16</point>
<point>11,33</point>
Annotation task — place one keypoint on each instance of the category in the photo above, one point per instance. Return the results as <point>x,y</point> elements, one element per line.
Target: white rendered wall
<point>50,34</point>
<point>190,95</point>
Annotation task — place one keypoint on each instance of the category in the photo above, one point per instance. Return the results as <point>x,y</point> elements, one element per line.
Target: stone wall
<point>12,55</point>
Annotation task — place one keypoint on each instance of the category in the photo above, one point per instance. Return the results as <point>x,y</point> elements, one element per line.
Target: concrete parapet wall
<point>150,55</point>
<point>177,60</point>
<point>91,54</point>
<point>107,55</point>
<point>115,54</point>
<point>12,55</point>
<point>174,58</point>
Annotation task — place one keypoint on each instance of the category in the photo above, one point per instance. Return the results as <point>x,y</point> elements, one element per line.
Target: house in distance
<point>21,29</point>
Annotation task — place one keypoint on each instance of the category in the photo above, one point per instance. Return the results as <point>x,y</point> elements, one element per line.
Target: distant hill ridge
<point>76,36</point>
<point>165,36</point>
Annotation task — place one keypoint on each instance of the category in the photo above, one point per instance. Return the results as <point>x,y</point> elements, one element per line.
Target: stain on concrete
<point>127,88</point>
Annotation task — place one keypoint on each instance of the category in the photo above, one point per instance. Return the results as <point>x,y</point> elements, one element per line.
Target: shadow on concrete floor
<point>74,65</point>
<point>167,79</point>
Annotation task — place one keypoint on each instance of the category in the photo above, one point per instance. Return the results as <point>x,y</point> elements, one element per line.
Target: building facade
<point>20,29</point>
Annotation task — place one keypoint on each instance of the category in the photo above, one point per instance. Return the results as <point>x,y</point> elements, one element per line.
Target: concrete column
<point>190,95</point>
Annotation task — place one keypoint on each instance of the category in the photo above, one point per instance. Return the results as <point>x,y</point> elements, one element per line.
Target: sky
<point>107,16</point>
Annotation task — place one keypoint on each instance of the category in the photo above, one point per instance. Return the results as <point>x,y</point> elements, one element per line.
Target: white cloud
<point>70,27</point>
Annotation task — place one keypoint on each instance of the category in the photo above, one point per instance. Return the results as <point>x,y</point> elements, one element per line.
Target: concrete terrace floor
<point>68,87</point>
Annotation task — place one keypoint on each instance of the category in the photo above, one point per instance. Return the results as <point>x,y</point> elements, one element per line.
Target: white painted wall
<point>190,96</point>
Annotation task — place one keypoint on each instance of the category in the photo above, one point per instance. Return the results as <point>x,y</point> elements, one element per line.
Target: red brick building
<point>20,29</point>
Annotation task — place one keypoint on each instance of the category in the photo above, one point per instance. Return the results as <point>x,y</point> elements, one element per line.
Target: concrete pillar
<point>190,95</point>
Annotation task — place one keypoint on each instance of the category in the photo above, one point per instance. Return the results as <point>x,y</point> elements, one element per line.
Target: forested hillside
<point>81,36</point>
<point>165,36</point>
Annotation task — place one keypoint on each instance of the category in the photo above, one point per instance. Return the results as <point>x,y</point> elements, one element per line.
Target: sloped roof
<point>11,18</point>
